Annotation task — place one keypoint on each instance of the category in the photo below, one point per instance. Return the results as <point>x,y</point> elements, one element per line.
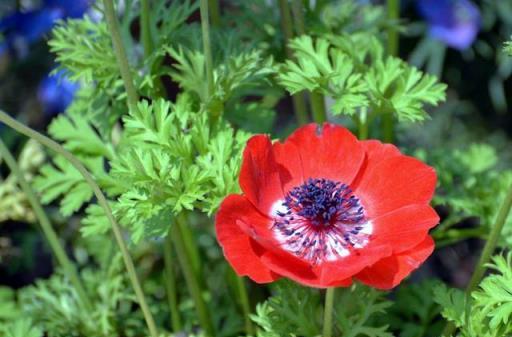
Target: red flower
<point>323,208</point>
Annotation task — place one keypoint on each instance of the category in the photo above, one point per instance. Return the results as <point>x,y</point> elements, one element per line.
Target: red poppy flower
<point>323,208</point>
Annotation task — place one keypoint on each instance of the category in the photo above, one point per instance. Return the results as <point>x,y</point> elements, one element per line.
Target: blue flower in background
<point>20,29</point>
<point>455,22</point>
<point>56,92</point>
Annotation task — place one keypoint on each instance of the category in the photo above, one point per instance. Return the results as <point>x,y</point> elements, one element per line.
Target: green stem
<point>191,247</point>
<point>318,107</point>
<point>246,307</point>
<point>298,100</point>
<point>207,48</point>
<point>193,284</point>
<point>490,246</point>
<point>393,9</point>
<point>215,12</point>
<point>298,16</point>
<point>102,201</point>
<point>328,312</point>
<point>147,41</point>
<point>120,53</point>
<point>363,124</point>
<point>170,286</point>
<point>46,226</point>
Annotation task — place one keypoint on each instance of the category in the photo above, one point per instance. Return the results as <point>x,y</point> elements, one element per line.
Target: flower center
<point>321,220</point>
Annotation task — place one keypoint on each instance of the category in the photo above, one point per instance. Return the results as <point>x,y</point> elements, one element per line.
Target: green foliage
<point>385,85</point>
<point>338,17</point>
<point>61,179</point>
<point>414,311</point>
<point>13,202</point>
<point>295,310</point>
<point>21,327</point>
<point>84,51</point>
<point>471,184</point>
<point>357,310</point>
<point>490,311</point>
<point>236,73</point>
<point>169,18</point>
<point>508,48</point>
<point>9,309</point>
<point>173,160</point>
<point>55,306</point>
<point>292,310</point>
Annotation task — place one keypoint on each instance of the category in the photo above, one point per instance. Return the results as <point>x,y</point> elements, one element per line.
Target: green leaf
<point>84,51</point>
<point>21,327</point>
<point>63,180</point>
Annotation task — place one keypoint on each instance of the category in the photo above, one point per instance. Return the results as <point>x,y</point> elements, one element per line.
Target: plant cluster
<point>145,166</point>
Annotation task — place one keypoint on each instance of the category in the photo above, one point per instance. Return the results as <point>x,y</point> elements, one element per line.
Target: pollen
<point>321,220</point>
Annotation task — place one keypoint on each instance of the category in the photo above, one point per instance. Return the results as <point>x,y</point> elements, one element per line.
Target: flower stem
<point>393,9</point>
<point>46,226</point>
<point>207,48</point>
<point>215,12</point>
<point>170,286</point>
<point>193,284</point>
<point>491,242</point>
<point>147,41</point>
<point>328,312</point>
<point>490,246</point>
<point>120,53</point>
<point>363,124</point>
<point>298,16</point>
<point>318,107</point>
<point>298,100</point>
<point>244,301</point>
<point>102,201</point>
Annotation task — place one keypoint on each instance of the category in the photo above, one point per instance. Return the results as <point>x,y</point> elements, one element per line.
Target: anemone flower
<point>454,22</point>
<point>323,208</point>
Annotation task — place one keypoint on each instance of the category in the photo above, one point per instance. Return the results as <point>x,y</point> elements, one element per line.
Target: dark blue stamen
<point>322,202</point>
<point>323,220</point>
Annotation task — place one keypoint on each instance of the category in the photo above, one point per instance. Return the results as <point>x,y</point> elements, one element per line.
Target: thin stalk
<point>318,107</point>
<point>122,59</point>
<point>102,201</point>
<point>47,228</point>
<point>215,12</point>
<point>147,41</point>
<point>207,48</point>
<point>298,16</point>
<point>328,312</point>
<point>193,284</point>
<point>490,246</point>
<point>363,124</point>
<point>191,247</point>
<point>244,302</point>
<point>170,286</point>
<point>393,9</point>
<point>298,100</point>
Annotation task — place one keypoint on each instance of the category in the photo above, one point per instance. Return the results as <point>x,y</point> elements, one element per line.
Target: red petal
<point>390,271</point>
<point>239,249</point>
<point>331,272</point>
<point>392,183</point>
<point>377,151</point>
<point>259,174</point>
<point>405,227</point>
<point>330,152</point>
<point>290,165</point>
